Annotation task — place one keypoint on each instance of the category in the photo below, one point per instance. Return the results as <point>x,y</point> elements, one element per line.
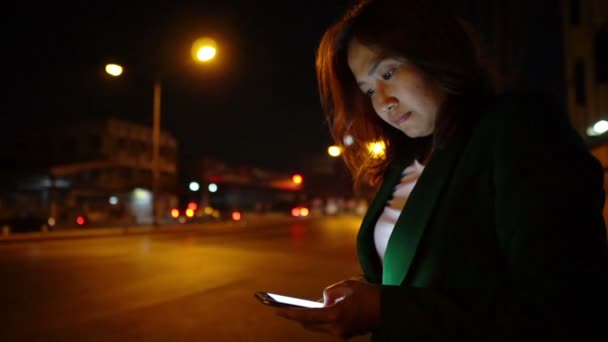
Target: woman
<point>488,222</point>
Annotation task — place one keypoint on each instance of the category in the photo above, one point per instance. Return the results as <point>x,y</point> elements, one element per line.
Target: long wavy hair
<point>427,35</point>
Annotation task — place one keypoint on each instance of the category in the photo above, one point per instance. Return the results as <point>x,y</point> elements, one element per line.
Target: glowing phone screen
<point>296,301</point>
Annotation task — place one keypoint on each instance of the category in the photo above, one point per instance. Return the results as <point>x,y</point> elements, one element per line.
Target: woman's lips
<point>403,118</point>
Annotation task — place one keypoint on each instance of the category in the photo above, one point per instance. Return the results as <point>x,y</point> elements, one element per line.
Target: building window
<point>600,49</point>
<point>580,91</point>
<point>575,12</point>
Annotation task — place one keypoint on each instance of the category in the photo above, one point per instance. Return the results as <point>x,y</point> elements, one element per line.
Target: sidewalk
<point>79,233</point>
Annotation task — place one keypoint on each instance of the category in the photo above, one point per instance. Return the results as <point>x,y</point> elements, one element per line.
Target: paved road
<point>186,286</point>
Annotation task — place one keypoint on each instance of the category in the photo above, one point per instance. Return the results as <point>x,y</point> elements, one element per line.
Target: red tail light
<point>299,211</point>
<point>80,220</point>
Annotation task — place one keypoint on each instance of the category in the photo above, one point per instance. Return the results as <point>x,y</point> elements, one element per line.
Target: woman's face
<point>399,92</point>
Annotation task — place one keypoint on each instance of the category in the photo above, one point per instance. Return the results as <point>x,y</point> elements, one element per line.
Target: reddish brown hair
<point>428,36</point>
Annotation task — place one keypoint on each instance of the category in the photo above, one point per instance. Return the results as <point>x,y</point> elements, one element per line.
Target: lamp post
<point>203,50</point>
<point>156,151</point>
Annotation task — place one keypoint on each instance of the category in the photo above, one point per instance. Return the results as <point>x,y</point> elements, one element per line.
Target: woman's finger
<point>307,316</point>
<point>335,293</point>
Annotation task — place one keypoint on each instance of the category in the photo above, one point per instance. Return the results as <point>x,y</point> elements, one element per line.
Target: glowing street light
<point>334,151</point>
<point>204,49</point>
<point>114,69</point>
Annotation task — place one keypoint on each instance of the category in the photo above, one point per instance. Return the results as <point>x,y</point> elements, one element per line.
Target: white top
<point>394,206</point>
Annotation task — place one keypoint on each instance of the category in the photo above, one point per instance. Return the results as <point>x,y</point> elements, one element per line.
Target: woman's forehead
<point>361,57</point>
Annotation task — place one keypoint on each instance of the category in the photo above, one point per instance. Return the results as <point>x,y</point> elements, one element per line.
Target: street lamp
<point>334,151</point>
<point>114,69</point>
<point>203,50</point>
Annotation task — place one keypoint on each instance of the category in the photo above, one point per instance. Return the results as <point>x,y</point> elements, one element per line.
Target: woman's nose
<point>386,102</point>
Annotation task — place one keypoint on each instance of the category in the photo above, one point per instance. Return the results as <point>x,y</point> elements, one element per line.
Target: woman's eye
<point>369,92</point>
<point>387,76</point>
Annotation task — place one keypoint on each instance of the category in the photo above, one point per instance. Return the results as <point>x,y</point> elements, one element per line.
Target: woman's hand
<point>352,307</point>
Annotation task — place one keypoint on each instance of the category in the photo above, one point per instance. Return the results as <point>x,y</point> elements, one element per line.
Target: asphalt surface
<point>192,283</point>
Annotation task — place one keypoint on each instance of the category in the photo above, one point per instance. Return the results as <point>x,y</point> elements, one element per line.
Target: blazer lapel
<point>414,218</point>
<point>368,256</point>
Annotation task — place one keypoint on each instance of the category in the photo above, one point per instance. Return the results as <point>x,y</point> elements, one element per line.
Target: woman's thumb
<point>335,293</point>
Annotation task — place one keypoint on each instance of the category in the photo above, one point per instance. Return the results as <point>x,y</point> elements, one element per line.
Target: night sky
<point>256,103</point>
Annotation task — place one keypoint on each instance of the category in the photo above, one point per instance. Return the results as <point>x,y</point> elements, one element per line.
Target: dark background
<point>256,103</point>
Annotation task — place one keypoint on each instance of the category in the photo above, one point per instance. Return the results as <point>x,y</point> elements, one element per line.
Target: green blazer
<point>502,238</point>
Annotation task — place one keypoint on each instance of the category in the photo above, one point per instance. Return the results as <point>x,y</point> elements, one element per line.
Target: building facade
<point>98,170</point>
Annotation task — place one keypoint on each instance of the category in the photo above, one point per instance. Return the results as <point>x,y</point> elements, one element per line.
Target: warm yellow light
<point>334,151</point>
<point>189,212</point>
<point>377,149</point>
<point>206,53</point>
<point>204,49</point>
<point>114,69</point>
<point>297,179</point>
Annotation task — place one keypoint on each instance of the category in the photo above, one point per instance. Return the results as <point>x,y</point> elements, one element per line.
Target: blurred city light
<point>297,179</point>
<point>174,213</point>
<point>300,212</point>
<point>334,151</point>
<point>51,221</point>
<point>189,212</point>
<point>377,149</point>
<point>236,215</point>
<point>113,200</point>
<point>212,187</point>
<point>142,195</point>
<point>204,49</point>
<point>194,186</point>
<point>348,140</point>
<point>192,205</point>
<point>600,127</point>
<point>114,69</point>
<point>80,220</point>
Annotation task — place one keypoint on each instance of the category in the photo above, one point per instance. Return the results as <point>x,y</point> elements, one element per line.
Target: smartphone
<point>274,299</point>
